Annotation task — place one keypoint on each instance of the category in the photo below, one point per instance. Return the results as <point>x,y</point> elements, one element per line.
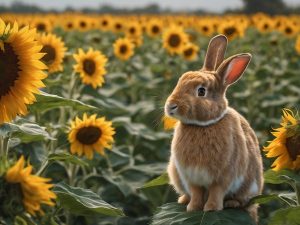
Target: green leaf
<point>175,214</point>
<point>26,132</point>
<point>289,216</point>
<point>282,176</point>
<point>288,198</point>
<point>66,157</point>
<point>84,202</point>
<point>161,180</point>
<point>47,101</point>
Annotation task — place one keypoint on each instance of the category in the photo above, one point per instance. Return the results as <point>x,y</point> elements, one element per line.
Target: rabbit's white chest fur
<point>193,175</point>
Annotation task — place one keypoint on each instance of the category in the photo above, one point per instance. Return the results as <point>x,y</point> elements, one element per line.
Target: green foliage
<point>83,201</point>
<point>175,214</point>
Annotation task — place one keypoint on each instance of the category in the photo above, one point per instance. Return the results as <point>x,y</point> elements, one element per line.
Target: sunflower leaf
<point>84,202</point>
<point>175,214</point>
<point>282,176</point>
<point>47,101</point>
<point>161,180</point>
<point>66,157</point>
<point>289,216</point>
<point>25,131</point>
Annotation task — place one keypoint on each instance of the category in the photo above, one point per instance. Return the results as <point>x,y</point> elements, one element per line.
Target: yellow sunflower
<point>41,25</point>
<point>55,50</point>
<point>286,145</point>
<point>174,39</point>
<point>123,48</point>
<point>154,28</point>
<point>133,30</point>
<point>169,122</point>
<point>190,51</point>
<point>105,23</point>
<point>91,66</point>
<point>289,29</point>
<point>231,29</point>
<point>20,70</point>
<point>35,189</point>
<point>89,135</point>
<point>297,45</point>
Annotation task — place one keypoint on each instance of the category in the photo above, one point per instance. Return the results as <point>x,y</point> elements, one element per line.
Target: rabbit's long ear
<point>233,68</point>
<point>215,53</point>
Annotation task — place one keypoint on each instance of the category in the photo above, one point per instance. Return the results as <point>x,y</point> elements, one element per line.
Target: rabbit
<point>215,158</point>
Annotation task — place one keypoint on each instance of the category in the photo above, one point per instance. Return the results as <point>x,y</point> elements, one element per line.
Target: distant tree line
<point>250,6</point>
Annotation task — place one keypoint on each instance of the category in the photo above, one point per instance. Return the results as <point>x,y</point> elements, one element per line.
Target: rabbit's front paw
<point>184,199</point>
<point>212,206</point>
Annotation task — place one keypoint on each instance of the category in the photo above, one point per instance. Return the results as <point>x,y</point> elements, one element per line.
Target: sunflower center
<point>132,30</point>
<point>155,29</point>
<point>123,49</point>
<point>50,54</point>
<point>174,40</point>
<point>88,135</point>
<point>104,22</point>
<point>70,25</point>
<point>288,30</point>
<point>41,27</point>
<point>229,31</point>
<point>89,66</point>
<point>82,24</point>
<point>266,26</point>
<point>205,28</point>
<point>118,26</point>
<point>293,146</point>
<point>188,52</point>
<point>9,69</point>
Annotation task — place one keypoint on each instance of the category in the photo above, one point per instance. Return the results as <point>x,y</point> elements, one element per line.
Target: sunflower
<point>117,25</point>
<point>286,145</point>
<point>105,23</point>
<point>231,30</point>
<point>174,39</point>
<point>90,134</point>
<point>55,50</point>
<point>123,48</point>
<point>265,25</point>
<point>169,122</point>
<point>154,28</point>
<point>205,27</point>
<point>41,25</point>
<point>20,70</point>
<point>91,66</point>
<point>297,45</point>
<point>133,30</point>
<point>289,29</point>
<point>189,52</point>
<point>35,189</point>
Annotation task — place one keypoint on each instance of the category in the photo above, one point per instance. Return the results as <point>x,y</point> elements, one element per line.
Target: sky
<point>211,5</point>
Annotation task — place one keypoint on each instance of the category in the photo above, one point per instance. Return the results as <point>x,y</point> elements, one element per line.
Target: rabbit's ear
<point>232,68</point>
<point>215,53</point>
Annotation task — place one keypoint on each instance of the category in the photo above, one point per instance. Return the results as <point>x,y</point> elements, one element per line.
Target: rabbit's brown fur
<point>215,158</point>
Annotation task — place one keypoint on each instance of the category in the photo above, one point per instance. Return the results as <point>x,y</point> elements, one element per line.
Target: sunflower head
<point>35,190</point>
<point>91,67</point>
<point>89,135</point>
<point>174,39</point>
<point>54,49</point>
<point>190,51</point>
<point>21,70</point>
<point>286,145</point>
<point>123,48</point>
<point>154,28</point>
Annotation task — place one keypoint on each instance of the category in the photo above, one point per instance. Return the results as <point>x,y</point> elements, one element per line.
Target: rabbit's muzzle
<point>171,108</point>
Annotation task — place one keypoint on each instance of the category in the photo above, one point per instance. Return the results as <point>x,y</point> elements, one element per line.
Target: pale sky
<point>211,5</point>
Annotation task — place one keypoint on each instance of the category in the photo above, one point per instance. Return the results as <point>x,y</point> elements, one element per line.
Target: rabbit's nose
<point>172,108</point>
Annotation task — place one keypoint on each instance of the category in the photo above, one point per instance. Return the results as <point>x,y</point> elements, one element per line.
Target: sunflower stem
<point>43,167</point>
<point>110,168</point>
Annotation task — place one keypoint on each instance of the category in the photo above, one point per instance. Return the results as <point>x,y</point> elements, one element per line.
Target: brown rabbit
<point>215,158</point>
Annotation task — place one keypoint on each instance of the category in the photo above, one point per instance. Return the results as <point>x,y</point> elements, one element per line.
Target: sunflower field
<point>83,135</point>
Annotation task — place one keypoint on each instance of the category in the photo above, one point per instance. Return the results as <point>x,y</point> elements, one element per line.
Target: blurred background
<point>154,6</point>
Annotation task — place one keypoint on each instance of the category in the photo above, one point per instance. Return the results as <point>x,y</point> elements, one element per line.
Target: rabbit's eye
<point>201,91</point>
